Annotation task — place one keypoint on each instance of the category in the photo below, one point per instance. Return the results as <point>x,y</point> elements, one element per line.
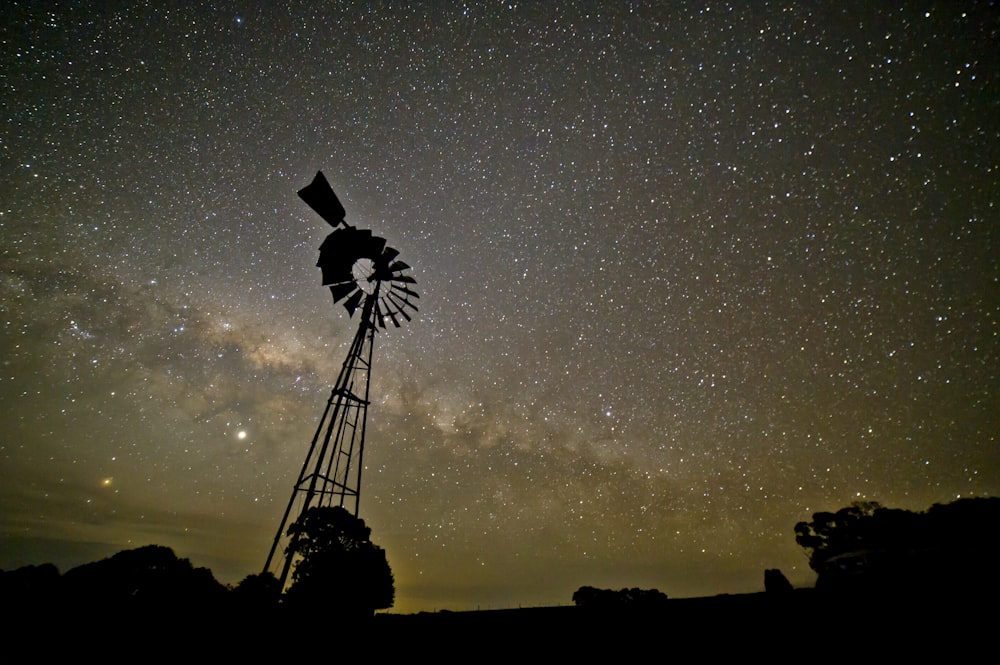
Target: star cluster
<point>689,272</point>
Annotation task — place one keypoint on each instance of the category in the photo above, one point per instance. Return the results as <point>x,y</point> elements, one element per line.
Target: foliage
<point>338,567</point>
<point>259,591</point>
<point>29,585</point>
<point>831,534</point>
<point>147,576</point>
<point>630,599</point>
<point>868,546</point>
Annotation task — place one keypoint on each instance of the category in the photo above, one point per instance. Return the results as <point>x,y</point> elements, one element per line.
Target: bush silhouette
<point>147,577</point>
<point>338,566</point>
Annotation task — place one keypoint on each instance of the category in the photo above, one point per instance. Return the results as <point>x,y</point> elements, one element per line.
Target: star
<point>688,273</point>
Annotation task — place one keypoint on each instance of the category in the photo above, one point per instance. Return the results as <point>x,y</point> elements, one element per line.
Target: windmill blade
<point>398,302</point>
<point>352,303</point>
<point>398,266</point>
<point>404,278</point>
<point>382,266</point>
<point>337,254</point>
<point>320,197</point>
<point>372,247</point>
<point>401,306</point>
<point>405,290</point>
<point>406,303</point>
<point>334,275</point>
<point>341,291</point>
<point>392,316</point>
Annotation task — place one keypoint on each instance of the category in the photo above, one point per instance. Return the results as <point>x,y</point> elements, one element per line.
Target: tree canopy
<point>866,545</point>
<point>338,566</point>
<point>623,599</point>
<point>150,576</point>
<point>259,591</point>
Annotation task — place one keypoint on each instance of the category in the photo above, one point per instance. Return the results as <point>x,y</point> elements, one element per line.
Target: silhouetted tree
<point>29,585</point>
<point>339,567</point>
<point>831,534</point>
<point>624,599</point>
<point>147,577</point>
<point>256,592</point>
<point>867,546</point>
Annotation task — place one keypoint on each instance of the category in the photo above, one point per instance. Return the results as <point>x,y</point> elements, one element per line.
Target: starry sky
<point>689,273</point>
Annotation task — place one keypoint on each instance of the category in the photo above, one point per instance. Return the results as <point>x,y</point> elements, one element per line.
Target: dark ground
<point>800,627</point>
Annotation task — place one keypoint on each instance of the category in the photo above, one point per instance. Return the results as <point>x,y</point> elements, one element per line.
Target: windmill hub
<point>363,271</point>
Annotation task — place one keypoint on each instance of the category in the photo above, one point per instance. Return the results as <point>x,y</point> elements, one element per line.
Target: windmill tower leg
<point>331,474</point>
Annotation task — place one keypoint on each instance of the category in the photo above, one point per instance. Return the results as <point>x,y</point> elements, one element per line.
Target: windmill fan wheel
<point>357,265</point>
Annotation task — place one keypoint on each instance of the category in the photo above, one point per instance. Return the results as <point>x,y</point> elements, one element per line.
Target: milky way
<point>689,272</point>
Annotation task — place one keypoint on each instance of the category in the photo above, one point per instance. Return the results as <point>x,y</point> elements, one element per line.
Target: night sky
<point>689,273</point>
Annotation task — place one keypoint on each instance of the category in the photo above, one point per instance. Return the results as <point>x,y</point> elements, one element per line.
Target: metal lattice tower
<point>359,267</point>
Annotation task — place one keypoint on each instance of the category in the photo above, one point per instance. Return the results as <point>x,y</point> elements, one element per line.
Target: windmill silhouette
<point>362,272</point>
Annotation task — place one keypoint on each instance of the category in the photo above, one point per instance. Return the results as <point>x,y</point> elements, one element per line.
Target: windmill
<point>363,273</point>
